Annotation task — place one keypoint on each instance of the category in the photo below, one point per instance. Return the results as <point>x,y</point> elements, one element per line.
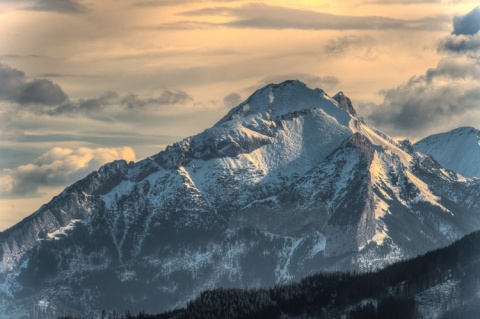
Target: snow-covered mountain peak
<point>458,150</point>
<point>276,100</point>
<point>289,183</point>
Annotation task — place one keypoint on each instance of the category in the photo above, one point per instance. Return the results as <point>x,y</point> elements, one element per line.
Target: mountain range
<point>288,183</point>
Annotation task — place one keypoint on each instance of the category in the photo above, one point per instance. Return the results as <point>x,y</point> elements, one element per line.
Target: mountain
<point>289,182</point>
<point>440,284</point>
<point>458,150</point>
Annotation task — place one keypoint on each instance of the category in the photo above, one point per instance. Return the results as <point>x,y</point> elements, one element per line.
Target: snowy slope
<point>458,150</point>
<point>288,183</point>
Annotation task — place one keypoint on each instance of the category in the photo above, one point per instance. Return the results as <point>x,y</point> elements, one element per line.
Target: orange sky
<point>143,74</point>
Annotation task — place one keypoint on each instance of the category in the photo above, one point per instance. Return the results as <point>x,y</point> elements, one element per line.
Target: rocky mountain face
<point>288,183</point>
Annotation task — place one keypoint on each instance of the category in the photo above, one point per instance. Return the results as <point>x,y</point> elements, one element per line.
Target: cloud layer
<point>447,91</point>
<point>43,97</point>
<point>59,6</point>
<point>262,16</point>
<point>444,94</point>
<point>58,167</point>
<point>468,24</point>
<point>15,87</point>
<point>465,38</point>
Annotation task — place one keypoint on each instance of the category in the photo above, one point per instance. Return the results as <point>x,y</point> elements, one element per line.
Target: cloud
<point>444,94</point>
<point>453,69</point>
<point>159,3</point>
<point>341,45</point>
<point>232,100</point>
<point>58,167</point>
<point>262,16</point>
<point>428,100</point>
<point>413,2</point>
<point>165,3</point>
<point>82,106</point>
<point>167,53</point>
<point>461,44</point>
<point>168,97</point>
<point>41,92</point>
<point>396,2</point>
<point>112,100</point>
<point>60,6</point>
<point>326,83</point>
<point>43,97</point>
<point>65,75</point>
<point>12,56</point>
<point>182,25</point>
<point>465,37</point>
<point>468,24</point>
<point>17,88</point>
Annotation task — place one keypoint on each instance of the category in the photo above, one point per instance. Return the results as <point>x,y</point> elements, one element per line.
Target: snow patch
<point>62,231</point>
<point>127,275</point>
<point>271,199</point>
<point>425,194</point>
<point>271,97</point>
<point>282,271</point>
<point>319,246</point>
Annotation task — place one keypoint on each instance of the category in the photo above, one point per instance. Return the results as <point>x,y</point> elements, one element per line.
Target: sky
<point>83,83</point>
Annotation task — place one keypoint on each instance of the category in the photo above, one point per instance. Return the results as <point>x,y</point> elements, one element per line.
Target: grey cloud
<point>15,87</point>
<point>465,37</point>
<point>412,110</point>
<point>12,81</point>
<point>460,44</point>
<point>446,93</point>
<point>12,56</point>
<point>65,75</point>
<point>219,11</point>
<point>326,83</point>
<point>451,69</point>
<point>42,92</point>
<point>232,100</point>
<point>58,167</point>
<point>262,16</point>
<point>413,2</point>
<point>468,24</point>
<point>84,106</point>
<point>43,97</point>
<point>340,46</point>
<point>176,53</point>
<point>131,101</point>
<point>396,2</point>
<point>167,97</point>
<point>159,3</point>
<point>182,25</point>
<point>60,6</point>
<point>165,3</point>
<point>429,100</point>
